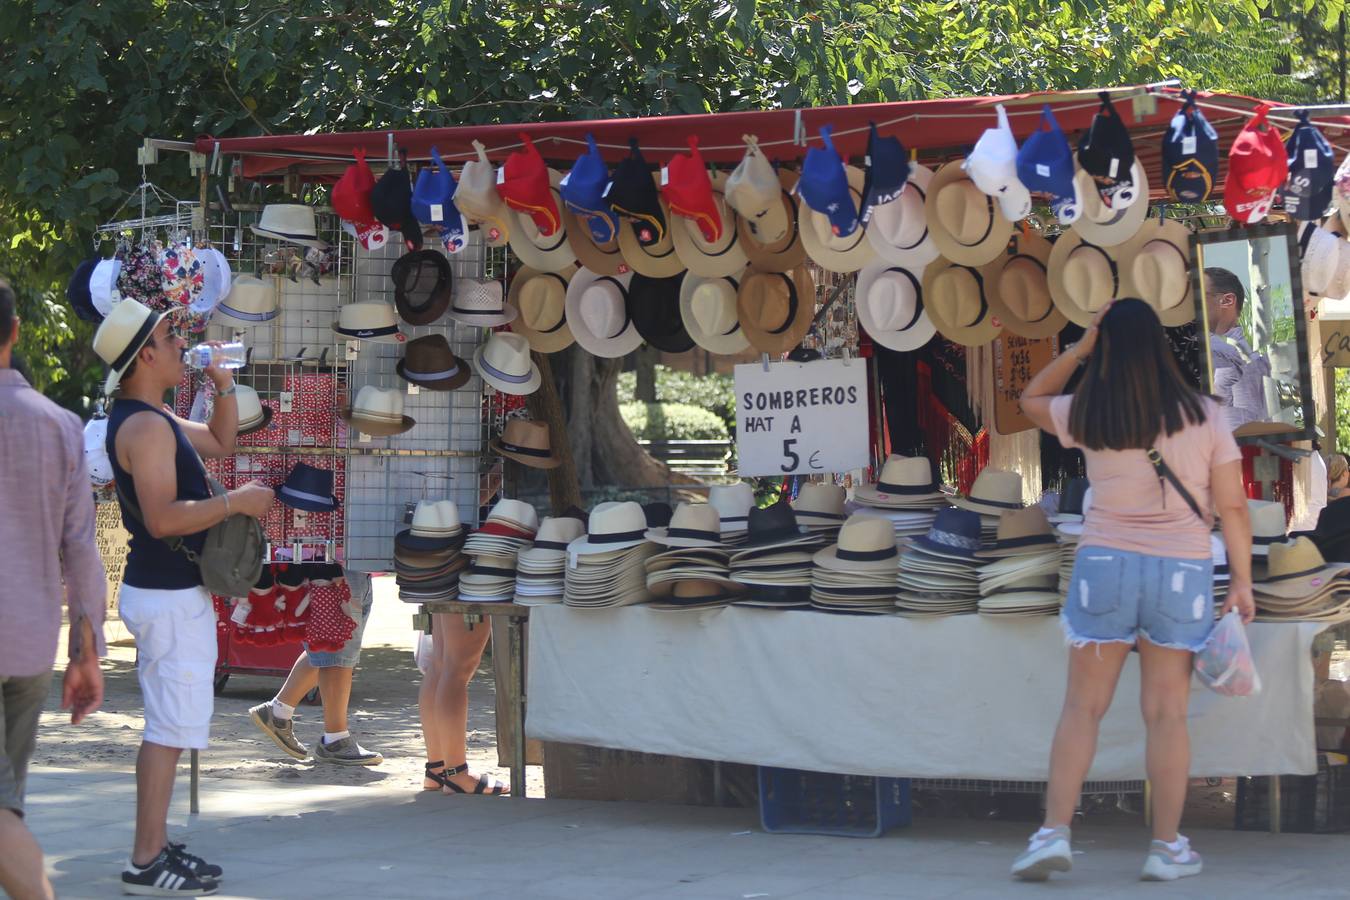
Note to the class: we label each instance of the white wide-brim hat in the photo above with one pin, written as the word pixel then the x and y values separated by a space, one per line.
pixel 1155 266
pixel 377 411
pixel 708 310
pixel 547 254
pixel 370 320
pixel 1083 277
pixel 967 225
pixel 504 362
pixel 294 223
pixel 103 291
pixel 217 281
pixel 898 231
pixel 889 300
pixel 1106 226
pixel 610 527
pixel 848 253
pixel 597 313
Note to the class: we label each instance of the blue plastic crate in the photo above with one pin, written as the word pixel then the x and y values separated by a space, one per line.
pixel 796 802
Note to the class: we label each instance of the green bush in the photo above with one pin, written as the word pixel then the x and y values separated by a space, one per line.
pixel 672 422
pixel 711 392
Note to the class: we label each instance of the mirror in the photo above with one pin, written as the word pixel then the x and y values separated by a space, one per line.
pixel 1247 287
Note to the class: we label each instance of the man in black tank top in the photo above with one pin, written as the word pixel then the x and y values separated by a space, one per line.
pixel 156 458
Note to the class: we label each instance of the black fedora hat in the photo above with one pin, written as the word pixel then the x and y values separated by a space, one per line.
pixel 423 285
pixel 308 488
pixel 773 525
pixel 391 201
pixel 654 307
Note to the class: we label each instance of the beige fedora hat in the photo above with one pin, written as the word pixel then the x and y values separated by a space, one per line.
pixel 1298 570
pixel 251 299
pixel 1020 289
pixel 724 256
pixel 1083 277
pixel 708 310
pixel 377 411
pixel 253 416
pixel 848 253
pixel 691 525
pixel 371 320
pixel 1021 532
pixel 783 253
pixel 902 481
pixel 541 298
pixel 504 363
pixel 956 298
pixel 819 504
pixel 889 299
pixel 527 442
pixel 776 309
pixel 657 260
pixel 611 526
pixel 294 223
pixel 597 313
pixel 121 336
pixel 733 503
pixel 866 545
pixel 477 199
pixel 604 259
pixel 1107 226
pixel 1268 525
pixel 1155 266
pixel 551 253
pixel 754 192
pixel 899 230
pixel 967 225
pixel 994 492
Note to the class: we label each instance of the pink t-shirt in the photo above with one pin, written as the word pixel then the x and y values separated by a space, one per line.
pixel 1129 510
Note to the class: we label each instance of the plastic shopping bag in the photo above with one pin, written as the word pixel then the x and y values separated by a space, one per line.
pixel 1225 665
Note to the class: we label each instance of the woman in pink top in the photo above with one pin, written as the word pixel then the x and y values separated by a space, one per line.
pixel 1143 576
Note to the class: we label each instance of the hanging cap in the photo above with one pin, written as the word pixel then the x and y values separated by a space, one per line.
pixel 524 184
pixel 1312 167
pixel 992 166
pixel 1190 154
pixel 1257 168
pixel 1045 165
pixel 688 190
pixel 824 186
pixel 1107 154
pixel 583 190
pixel 633 194
pixel 887 172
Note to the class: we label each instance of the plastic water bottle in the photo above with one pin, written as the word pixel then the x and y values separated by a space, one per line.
pixel 227 356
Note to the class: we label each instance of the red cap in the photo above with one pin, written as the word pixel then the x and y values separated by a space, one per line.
pixel 523 183
pixel 688 191
pixel 351 201
pixel 1257 168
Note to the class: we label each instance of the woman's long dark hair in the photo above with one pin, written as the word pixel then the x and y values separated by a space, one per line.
pixel 1131 389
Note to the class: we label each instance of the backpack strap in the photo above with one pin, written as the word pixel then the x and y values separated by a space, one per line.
pixel 1165 472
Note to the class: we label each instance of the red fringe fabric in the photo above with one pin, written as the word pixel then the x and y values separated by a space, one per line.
pixel 959 456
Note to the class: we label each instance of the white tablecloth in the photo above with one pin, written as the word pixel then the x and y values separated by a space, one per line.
pixel 958 697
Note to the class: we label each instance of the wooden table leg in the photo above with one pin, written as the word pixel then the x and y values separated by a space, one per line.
pixel 516 649
pixel 193 805
pixel 1275 812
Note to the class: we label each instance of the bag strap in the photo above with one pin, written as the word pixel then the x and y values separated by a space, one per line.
pixel 1165 472
pixel 174 542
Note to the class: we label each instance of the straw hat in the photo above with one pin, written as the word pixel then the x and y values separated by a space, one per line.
pixel 733 503
pixel 956 298
pixel 903 480
pixel 966 225
pixel 848 253
pixel 480 303
pixel 767 249
pixel 708 309
pixel 435 526
pixel 606 258
pixel 955 534
pixel 611 527
pixel 994 492
pixel 1106 226
pixel 294 223
pixel 1020 289
pixel 1021 531
pixel 253 416
pixel 889 300
pixel 372 320
pixel 691 525
pixel 1297 570
pixel 541 298
pixel 820 505
pixel 776 309
pixel 655 260
pixel 753 190
pixel 121 336
pixel 377 411
pixel 724 256
pixel 898 231
pixel 654 307
pixel 251 299
pixel 551 253
pixel 866 545
pixel 1083 277
pixel 1155 266
pixel 527 442
pixel 504 362
pixel 1268 525
pixel 597 313
pixel 478 200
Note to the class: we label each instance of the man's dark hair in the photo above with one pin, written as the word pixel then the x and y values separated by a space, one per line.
pixel 1227 283
pixel 6 311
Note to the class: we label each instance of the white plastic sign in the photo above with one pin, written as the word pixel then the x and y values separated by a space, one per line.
pixel 801 418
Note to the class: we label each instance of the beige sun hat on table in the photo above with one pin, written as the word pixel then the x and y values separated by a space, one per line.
pixel 1155 266
pixel 966 224
pixel 1020 289
pixel 708 310
pixel 541 298
pixel 819 504
pixel 1083 277
pixel 842 254
pixel 1268 525
pixel 956 298
pixel 994 492
pixel 866 545
pixel 903 481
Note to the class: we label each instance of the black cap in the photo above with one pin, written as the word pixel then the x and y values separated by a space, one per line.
pixel 1107 153
pixel 654 307
pixel 1312 172
pixel 633 194
pixel 391 201
pixel 77 291
pixel 1190 154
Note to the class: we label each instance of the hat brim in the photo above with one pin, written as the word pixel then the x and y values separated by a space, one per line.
pixel 553 341
pixel 115 375
pixel 1035 247
pixel 288 499
pixel 990 244
pixel 1064 299
pixel 785 254
pixel 829 559
pixel 981 507
pixel 711 259
pixel 779 341
pixel 1122 224
pixel 508 315
pixel 854 250
pixel 605 347
pixel 728 344
pixel 375 427
pixel 997 552
pixel 552 461
pixel 267 414
pixel 440 384
pixel 606 259
pixel 975 334
pixel 1178 235
pixel 666 588
pixel 553 253
pixel 922 252
pixel 657 261
pixel 920 331
pixel 519 389
pixel 868 494
pixel 290 239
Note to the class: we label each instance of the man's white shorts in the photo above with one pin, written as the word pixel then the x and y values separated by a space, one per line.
pixel 175 634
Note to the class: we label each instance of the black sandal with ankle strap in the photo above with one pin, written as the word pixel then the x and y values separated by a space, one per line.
pixel 487 784
pixel 441 778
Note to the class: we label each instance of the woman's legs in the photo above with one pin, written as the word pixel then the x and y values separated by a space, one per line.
pixel 1093 673
pixel 426 695
pixel 463 651
pixel 1164 694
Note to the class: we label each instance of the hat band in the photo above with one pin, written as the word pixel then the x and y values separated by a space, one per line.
pixel 951 539
pixel 288 235
pixel 562 319
pixel 489 570
pixel 989 202
pixel 792 305
pixel 923 198
pixel 369 332
pixel 918 296
pixel 305 495
pixel 431 376
pixel 911 489
pixel 696 533
pixel 726 519
pixel 814 514
pixel 1049 307
pixel 137 341
pixel 525 451
pixel 376 415
pixel 503 376
pixel 1274 539
pixel 248 316
pixel 550 545
pixel 478 312
pixel 1025 541
pixel 616 538
pixel 865 555
pixel 1303 574
pixel 1305 239
pixel 1001 504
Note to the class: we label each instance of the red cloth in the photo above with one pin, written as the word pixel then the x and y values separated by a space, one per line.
pixel 329 627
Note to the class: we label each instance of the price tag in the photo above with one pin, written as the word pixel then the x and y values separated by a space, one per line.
pixel 1188 144
pixel 243 464
pixel 293 436
pixel 665 176
pixel 501 175
pixel 1310 158
pixel 408 509
pixel 1115 166
pixel 353 350
pixel 301 519
pixel 286 399
pixel 413 389
pixel 801 418
pixel 362 437
pixel 437 213
pixel 1042 170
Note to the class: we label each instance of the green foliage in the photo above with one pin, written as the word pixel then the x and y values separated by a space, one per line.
pixel 1342 436
pixel 713 392
pixel 672 422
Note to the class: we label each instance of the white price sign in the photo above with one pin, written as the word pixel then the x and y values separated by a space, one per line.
pixel 801 418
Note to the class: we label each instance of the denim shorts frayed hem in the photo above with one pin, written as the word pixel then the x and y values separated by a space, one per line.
pixel 1078 641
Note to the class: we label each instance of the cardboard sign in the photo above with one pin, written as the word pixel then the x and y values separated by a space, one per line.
pixel 1017 360
pixel 801 418
pixel 1335 349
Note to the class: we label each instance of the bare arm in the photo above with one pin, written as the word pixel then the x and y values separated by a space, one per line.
pixel 146 450
pixel 217 437
pixel 1049 382
pixel 1230 501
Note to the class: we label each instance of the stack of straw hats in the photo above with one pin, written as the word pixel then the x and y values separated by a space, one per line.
pixel 994 492
pixel 491 576
pixel 733 503
pixel 1021 574
pixel 774 560
pixel 539 569
pixel 938 571
pixel 691 572
pixel 906 492
pixel 1300 584
pixel 605 566
pixel 1268 529
pixel 820 509
pixel 858 573
pixel 1069 528
pixel 428 555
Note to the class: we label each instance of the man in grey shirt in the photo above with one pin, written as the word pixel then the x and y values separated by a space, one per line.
pixel 1239 372
pixel 47 531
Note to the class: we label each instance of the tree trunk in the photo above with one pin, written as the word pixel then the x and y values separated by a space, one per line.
pixel 545 405
pixel 646 374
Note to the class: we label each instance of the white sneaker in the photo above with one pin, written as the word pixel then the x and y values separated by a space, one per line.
pixel 1047 851
pixel 1165 864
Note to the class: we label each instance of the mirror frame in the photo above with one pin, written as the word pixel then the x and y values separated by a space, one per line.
pixel 1288 231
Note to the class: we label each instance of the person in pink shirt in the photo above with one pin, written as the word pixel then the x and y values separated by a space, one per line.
pixel 1160 457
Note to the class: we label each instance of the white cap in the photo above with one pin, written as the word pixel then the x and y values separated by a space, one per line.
pixel 992 166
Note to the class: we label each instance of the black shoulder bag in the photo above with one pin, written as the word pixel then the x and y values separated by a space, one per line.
pixel 1165 472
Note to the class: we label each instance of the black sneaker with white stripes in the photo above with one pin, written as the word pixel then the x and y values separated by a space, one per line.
pixel 200 867
pixel 167 875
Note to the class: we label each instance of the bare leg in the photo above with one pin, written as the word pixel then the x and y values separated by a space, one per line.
pixel 300 682
pixel 464 650
pixel 156 768
pixel 1092 684
pixel 1164 694
pixel 335 687
pixel 21 873
pixel 426 695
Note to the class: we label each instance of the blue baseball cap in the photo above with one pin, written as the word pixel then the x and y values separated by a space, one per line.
pixel 1190 154
pixel 823 186
pixel 1312 172
pixel 583 190
pixel 887 172
pixel 1045 166
pixel 433 203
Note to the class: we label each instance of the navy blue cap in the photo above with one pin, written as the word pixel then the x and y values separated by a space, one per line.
pixel 1045 166
pixel 1190 154
pixel 824 186
pixel 631 192
pixel 433 204
pixel 583 190
pixel 1312 172
pixel 77 291
pixel 887 172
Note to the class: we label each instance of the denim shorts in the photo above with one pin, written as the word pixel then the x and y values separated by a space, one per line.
pixel 350 654
pixel 1116 596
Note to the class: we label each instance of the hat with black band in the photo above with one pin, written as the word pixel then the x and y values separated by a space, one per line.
pixel 122 335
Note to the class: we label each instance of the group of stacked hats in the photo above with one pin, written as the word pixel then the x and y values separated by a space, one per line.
pixel 694 572
pixel 907 493
pixel 1300 584
pixel 1074 502
pixel 857 574
pixel 1022 575
pixel 605 566
pixel 994 492
pixel 819 508
pixel 939 571
pixel 733 503
pixel 428 555
pixel 775 559
pixel 539 568
pixel 510 527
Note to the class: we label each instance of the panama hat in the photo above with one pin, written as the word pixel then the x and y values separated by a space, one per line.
pixel 776 309
pixel 708 310
pixel 1155 266
pixel 966 224
pixel 1298 570
pixel 480 303
pixel 733 503
pixel 1268 525
pixel 251 299
pixel 819 505
pixel 253 416
pixel 121 336
pixel 541 298
pixel 610 527
pixel 428 362
pixel 1107 226
pixel 478 200
pixel 597 312
pixel 722 256
pixel 547 253
pixel 1083 277
pixel 435 526
pixel 902 481
pixel 1020 532
pixel 291 222
pixel 866 545
pixel 504 362
pixel 372 320
pixel 994 492
pixel 898 230
pixel 889 300
pixel 843 254
pixel 1019 292
pixel 956 298
pixel 691 525
pixel 754 191
pixel 1323 254
pixel 653 255
pixel 605 258
pixel 654 305
pixel 527 442
pixel 377 411
pixel 771 243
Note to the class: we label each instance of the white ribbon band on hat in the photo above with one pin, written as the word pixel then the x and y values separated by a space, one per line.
pixel 248 316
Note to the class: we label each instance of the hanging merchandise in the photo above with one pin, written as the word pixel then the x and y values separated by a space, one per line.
pixel 1190 154
pixel 1019 293
pixel 992 166
pixel 688 191
pixel 541 298
pixel 597 309
pixel 655 309
pixel 532 192
pixel 103 290
pixel 308 488
pixel 887 172
pixel 293 223
pixel 1155 266
pixel 351 201
pixel 1257 169
pixel 433 204
pixel 776 309
pixel 377 411
pixel 504 363
pixel 391 201
pixel 1312 168
pixel 966 225
pixel 423 283
pixel 253 414
pixel 956 298
pixel 1083 277
pixel 1325 261
pixel 371 320
pixel 251 299
pixel 79 293
pixel 140 278
pixel 754 191
pixel 646 243
pixel 480 303
pixel 824 187
pixel 478 200
pixel 708 311
pixel 889 299
pixel 1106 153
pixel 429 363
pixel 705 234
pixel 528 443
pixel 1105 225
pixel 216 283
pixel 898 230
pixel 1045 165
pixel 592 227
